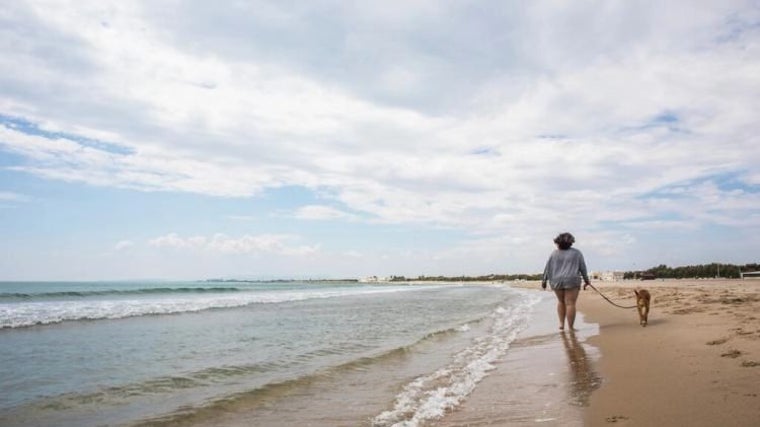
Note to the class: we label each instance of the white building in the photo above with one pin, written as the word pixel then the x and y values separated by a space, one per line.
pixel 373 279
pixel 607 276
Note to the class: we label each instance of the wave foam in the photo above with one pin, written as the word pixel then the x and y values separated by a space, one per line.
pixel 430 396
pixel 24 314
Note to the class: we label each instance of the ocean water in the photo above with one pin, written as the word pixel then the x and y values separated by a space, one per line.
pixel 243 353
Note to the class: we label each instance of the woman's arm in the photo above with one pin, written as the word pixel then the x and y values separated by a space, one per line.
pixel 583 270
pixel 546 276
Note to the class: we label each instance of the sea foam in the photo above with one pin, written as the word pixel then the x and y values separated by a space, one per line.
pixel 430 396
pixel 30 313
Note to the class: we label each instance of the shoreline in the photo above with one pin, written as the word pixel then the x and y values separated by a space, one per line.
pixel 697 363
pixel 546 378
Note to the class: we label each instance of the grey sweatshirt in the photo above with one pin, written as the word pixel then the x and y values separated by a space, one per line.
pixel 565 268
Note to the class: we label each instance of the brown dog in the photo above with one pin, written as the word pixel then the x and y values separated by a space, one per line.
pixel 642 304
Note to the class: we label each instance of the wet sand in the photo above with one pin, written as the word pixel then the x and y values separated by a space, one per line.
pixel 545 379
pixel 696 364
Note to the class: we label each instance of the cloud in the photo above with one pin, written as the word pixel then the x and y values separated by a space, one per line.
pixel 320 212
pixel 9 196
pixel 527 120
pixel 242 217
pixel 123 245
pixel 246 244
pixel 353 254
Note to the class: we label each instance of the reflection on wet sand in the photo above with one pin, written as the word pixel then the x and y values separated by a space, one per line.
pixel 583 379
pixel 545 379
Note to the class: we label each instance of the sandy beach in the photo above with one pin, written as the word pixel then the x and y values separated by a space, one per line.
pixel 697 363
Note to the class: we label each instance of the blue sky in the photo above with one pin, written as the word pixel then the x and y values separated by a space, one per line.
pixel 186 139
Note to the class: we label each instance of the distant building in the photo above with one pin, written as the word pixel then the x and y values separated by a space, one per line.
pixel 373 279
pixel 750 274
pixel 607 276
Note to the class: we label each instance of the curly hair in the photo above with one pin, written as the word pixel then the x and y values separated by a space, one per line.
pixel 564 240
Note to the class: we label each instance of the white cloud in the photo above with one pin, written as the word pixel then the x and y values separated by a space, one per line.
pixel 320 212
pixel 527 120
pixel 242 217
pixel 9 196
pixel 246 244
pixel 123 245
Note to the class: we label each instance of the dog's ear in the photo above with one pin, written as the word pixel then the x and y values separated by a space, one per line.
pixel 636 292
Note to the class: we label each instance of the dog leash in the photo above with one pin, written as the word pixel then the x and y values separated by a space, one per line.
pixel 609 300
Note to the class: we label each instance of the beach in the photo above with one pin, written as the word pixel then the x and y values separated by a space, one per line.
pixel 546 378
pixel 697 363
pixel 410 355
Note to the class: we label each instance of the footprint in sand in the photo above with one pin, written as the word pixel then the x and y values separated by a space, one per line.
pixel 732 354
pixel 688 310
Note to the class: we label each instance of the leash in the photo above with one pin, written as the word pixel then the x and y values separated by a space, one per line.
pixel 609 300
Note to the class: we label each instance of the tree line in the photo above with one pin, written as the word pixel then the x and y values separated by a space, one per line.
pixel 486 278
pixel 662 271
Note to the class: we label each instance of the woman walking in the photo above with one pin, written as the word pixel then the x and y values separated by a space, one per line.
pixel 564 271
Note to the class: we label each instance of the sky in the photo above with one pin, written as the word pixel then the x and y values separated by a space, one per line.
pixel 189 139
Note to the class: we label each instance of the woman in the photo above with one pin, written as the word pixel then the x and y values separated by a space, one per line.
pixel 564 271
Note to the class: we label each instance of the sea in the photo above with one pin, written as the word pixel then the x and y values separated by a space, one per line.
pixel 283 353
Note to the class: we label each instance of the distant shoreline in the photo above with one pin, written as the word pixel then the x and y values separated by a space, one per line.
pixel 473 279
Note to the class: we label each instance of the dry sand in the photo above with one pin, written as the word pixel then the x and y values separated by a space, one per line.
pixel 696 364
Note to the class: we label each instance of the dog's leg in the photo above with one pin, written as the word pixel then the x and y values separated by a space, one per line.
pixel 646 312
pixel 639 307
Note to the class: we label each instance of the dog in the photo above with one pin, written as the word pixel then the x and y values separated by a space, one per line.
pixel 642 304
